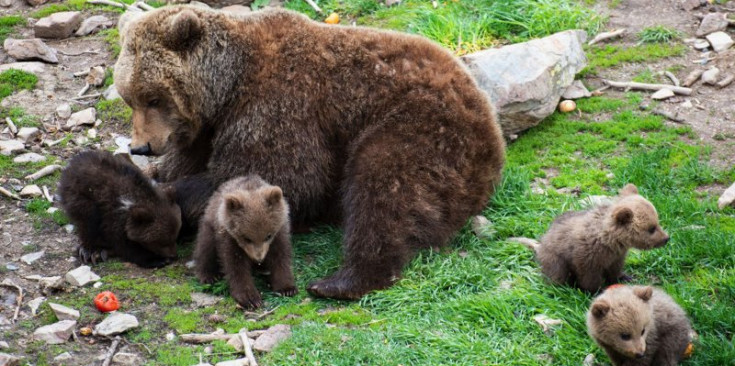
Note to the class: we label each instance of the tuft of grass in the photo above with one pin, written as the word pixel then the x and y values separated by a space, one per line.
pixel 601 57
pixel 53 8
pixel 8 24
pixel 112 38
pixel 13 80
pixel 658 34
pixel 114 110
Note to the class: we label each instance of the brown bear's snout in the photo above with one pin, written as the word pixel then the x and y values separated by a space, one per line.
pixel 142 150
pixel 639 355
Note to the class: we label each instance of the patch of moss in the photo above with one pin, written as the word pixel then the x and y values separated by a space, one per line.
pixel 114 110
pixel 13 80
pixel 601 57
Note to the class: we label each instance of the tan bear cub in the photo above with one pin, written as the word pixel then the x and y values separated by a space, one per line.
pixel 639 326
pixel 587 249
pixel 246 225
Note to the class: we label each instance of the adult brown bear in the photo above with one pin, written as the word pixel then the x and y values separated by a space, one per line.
pixel 388 130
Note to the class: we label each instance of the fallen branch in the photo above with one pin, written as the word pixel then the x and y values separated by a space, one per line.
pixel 143 6
pixel 599 91
pixel 606 35
pixel 692 77
pixel 84 90
pixel 672 77
pixel 727 80
pixel 314 6
pixel 11 125
pixel 95 95
pixel 668 115
pixel 43 172
pixel 261 315
pixel 247 347
pixel 47 194
pixel 205 338
pixel 78 54
pixel 644 86
pixel 111 351
pixel 81 73
pixel 8 193
pixel 8 283
pixel 110 3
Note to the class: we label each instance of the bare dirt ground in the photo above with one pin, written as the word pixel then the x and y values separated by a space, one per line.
pixel 711 116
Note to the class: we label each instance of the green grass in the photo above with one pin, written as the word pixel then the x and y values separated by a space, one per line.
pixel 112 38
pixel 658 34
pixel 468 25
pixel 114 110
pixel 13 80
pixel 8 24
pixel 600 57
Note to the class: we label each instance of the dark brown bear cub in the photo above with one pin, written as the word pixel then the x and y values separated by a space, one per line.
pixel 587 249
pixel 117 210
pixel 246 225
pixel 639 326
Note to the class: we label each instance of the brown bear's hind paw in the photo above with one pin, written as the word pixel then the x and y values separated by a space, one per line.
pixel 343 287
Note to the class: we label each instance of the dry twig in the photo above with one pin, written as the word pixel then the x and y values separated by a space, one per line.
pixel 143 5
pixel 111 351
pixel 43 172
pixel 78 54
pixel 672 77
pixel 247 347
pixel 727 80
pixel 84 90
pixel 95 95
pixel 692 77
pixel 110 3
pixel 314 6
pixel 11 126
pixel 8 283
pixel 8 193
pixel 645 86
pixel 606 35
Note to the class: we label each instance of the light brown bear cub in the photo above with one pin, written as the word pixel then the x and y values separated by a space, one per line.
pixel 245 225
pixel 587 249
pixel 639 326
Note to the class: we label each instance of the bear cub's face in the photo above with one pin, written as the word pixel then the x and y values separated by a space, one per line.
pixel 254 218
pixel 636 221
pixel 621 319
pixel 155 224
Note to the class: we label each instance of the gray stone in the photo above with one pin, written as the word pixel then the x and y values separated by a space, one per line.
pixel 35 303
pixel 28 133
pixel 63 111
pixel 712 22
pixel 116 323
pixel 83 117
pixel 9 360
pixel 6 4
pixel 58 25
pixel 96 76
pixel 9 147
pixel 64 313
pixel 56 333
pixel 525 81
pixel 30 49
pixel 11 266
pixel 111 93
pixel 727 198
pixel 29 158
pixel 32 257
pixel 690 5
pixel 92 133
pixel 125 358
pixel 711 76
pixel 51 283
pixel 36 2
pixel 4 345
pixel 31 191
pixel 662 94
pixel 720 41
pixel 482 227
pixel 202 299
pixel 92 24
pixel 34 67
pixel 701 44
pixel 237 9
pixel 66 356
pixel 51 210
pixel 81 276
pixel 576 91
pixel 270 339
pixel 238 362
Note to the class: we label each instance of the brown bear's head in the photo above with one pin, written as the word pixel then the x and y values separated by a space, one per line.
pixel 634 221
pixel 175 70
pixel 254 218
pixel 621 318
pixel 155 224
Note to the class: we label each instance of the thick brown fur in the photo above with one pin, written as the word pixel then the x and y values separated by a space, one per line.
pixel 387 131
pixel 116 209
pixel 246 225
pixel 587 249
pixel 639 326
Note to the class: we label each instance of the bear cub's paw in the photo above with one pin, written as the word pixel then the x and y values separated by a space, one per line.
pixel 91 255
pixel 248 298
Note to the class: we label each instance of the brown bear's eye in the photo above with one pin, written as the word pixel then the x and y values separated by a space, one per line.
pixel 652 229
pixel 247 240
pixel 268 237
pixel 154 102
pixel 643 331
pixel 625 336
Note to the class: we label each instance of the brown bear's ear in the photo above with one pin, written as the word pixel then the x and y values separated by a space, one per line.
pixel 629 190
pixel 600 308
pixel 141 216
pixel 622 215
pixel 233 202
pixel 184 30
pixel 273 195
pixel 644 293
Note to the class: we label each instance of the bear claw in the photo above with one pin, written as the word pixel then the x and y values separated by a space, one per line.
pixel 288 291
pixel 91 255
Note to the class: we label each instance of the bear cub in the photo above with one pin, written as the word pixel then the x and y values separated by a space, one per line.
pixel 639 326
pixel 587 249
pixel 117 210
pixel 246 226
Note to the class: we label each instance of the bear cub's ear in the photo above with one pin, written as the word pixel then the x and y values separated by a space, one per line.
pixel 233 202
pixel 629 190
pixel 644 293
pixel 273 195
pixel 622 215
pixel 600 308
pixel 184 30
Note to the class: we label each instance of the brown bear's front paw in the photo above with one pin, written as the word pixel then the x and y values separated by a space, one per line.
pixel 344 286
pixel 87 255
pixel 207 279
pixel 287 291
pixel 248 299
